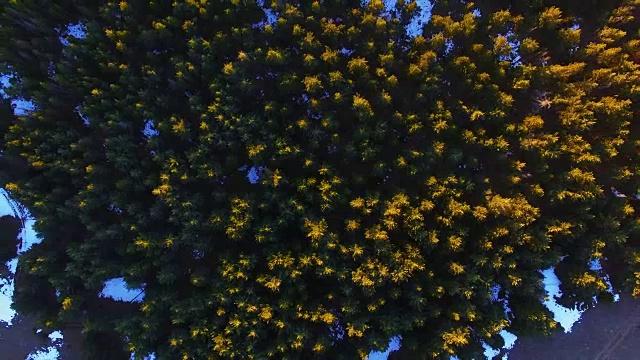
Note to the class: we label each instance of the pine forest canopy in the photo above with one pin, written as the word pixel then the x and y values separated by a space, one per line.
pixel 305 180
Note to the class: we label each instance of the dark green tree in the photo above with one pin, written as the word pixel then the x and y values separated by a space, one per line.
pixel 309 179
pixel 10 227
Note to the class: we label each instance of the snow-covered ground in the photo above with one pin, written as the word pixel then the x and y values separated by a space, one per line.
pixel 565 316
pixel 50 353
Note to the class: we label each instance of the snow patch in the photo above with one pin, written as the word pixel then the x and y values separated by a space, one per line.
pixel 596 265
pixel 565 316
pixel 6 294
pixel 118 289
pixel 22 106
pixel 509 339
pixel 49 353
pixel 12 265
pixel 394 344
pixel 151 356
pixel 254 174
pixel 29 236
pixel 55 336
pixel 150 129
pixel 489 352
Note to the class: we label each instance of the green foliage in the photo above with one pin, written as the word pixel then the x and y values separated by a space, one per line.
pixel 34 294
pixel 99 345
pixel 399 180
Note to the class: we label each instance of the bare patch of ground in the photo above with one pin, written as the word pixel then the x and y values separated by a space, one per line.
pixel 19 340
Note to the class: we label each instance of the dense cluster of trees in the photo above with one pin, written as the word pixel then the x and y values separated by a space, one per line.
pixel 308 179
